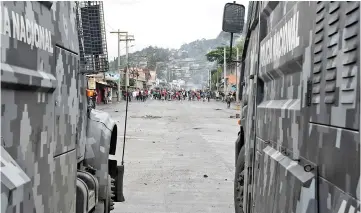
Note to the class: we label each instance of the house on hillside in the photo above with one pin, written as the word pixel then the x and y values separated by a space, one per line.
pixel 141 77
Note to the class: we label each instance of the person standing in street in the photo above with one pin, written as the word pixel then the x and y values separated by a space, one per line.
pixel 105 95
pixel 177 95
pixel 228 100
pixel 163 95
pixel 145 95
pixel 141 94
pixel 134 94
pixel 130 95
pixel 109 96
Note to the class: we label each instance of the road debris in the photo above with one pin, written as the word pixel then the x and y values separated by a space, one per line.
pixel 146 116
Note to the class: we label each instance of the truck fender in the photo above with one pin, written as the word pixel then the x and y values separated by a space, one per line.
pixel 239 144
pixel 101 141
pixel 105 118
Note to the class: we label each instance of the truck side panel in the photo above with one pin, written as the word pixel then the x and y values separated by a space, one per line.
pixel 82 118
pixel 64 19
pixel 335 94
pixel 28 139
pixel 64 193
pixel 66 101
pixel 334 125
pixel 31 134
pixel 251 69
pixel 335 99
pixel 307 151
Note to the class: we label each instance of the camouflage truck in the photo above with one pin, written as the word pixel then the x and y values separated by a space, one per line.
pixel 54 149
pixel 298 148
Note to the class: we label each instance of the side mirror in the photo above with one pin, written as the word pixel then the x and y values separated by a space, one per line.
pixel 233 18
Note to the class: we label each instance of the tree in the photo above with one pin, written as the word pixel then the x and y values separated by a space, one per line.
pixel 151 54
pixel 240 45
pixel 218 53
pixel 216 78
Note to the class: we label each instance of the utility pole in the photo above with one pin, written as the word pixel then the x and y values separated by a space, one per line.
pixel 224 70
pixel 209 80
pixel 119 34
pixel 217 79
pixel 237 89
pixel 126 74
pixel 127 61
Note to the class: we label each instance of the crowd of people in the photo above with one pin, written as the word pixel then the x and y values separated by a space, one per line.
pixel 136 94
pixel 178 94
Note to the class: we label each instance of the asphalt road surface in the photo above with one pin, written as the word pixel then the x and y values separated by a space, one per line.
pixel 179 156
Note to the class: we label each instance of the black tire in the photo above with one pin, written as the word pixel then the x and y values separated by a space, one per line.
pixel 109 203
pixel 239 182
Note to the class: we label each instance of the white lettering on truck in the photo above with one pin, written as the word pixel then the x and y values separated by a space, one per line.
pixel 25 30
pixel 282 42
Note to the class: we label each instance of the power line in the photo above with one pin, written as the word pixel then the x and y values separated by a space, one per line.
pixel 110 27
pixel 127 39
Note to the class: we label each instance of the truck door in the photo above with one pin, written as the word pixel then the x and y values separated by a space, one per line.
pixel 66 103
pixel 283 180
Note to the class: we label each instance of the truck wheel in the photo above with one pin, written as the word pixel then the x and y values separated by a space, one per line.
pixel 239 182
pixel 111 194
pixel 109 203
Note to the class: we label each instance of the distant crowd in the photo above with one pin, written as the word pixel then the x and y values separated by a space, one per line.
pixel 177 94
pixel 181 94
pixel 136 94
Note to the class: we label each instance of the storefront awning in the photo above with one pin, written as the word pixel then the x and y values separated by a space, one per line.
pixel 106 84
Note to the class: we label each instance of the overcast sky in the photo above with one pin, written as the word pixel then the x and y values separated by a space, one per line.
pixel 163 23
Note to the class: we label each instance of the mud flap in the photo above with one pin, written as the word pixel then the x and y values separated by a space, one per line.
pixel 117 173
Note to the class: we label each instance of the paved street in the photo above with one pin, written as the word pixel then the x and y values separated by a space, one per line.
pixel 179 156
